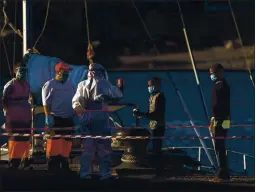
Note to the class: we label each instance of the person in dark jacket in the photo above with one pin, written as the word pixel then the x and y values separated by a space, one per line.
pixel 156 115
pixel 220 122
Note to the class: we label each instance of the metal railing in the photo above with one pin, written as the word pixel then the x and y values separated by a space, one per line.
pixel 245 156
pixel 4 151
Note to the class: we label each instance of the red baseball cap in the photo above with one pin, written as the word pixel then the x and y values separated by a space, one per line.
pixel 64 66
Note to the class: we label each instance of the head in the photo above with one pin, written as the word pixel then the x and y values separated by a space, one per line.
pixel 97 71
pixel 20 71
pixel 216 71
pixel 62 71
pixel 154 85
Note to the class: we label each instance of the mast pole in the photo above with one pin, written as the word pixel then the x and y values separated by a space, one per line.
pixel 195 72
pixel 24 24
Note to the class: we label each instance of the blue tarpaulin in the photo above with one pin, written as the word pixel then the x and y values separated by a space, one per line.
pixel 41 69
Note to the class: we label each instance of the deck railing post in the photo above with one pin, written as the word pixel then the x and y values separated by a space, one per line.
pixel 199 157
pixel 244 163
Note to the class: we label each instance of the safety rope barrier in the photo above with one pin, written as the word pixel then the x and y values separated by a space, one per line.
pixel 123 137
pixel 131 127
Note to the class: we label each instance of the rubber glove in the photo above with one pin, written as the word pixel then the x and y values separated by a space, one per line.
pixel 137 113
pixel 49 121
pixel 84 118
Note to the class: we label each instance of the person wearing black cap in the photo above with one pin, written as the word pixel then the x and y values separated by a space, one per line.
pixel 220 122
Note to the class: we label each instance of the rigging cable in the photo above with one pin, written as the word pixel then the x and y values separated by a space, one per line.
pixel 90 51
pixel 178 93
pixel 195 72
pixel 44 26
pixel 241 42
pixel 87 22
pixel 1 53
pixel 4 45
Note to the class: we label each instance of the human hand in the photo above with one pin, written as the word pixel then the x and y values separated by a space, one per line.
pixel 49 121
pixel 135 112
pixel 211 126
pixel 79 110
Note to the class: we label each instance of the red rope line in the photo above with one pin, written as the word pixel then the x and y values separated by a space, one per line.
pixel 131 127
pixel 124 137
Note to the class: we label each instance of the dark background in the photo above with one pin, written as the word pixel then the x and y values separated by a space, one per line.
pixel 118 28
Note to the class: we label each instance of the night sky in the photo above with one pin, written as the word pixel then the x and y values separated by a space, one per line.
pixel 117 26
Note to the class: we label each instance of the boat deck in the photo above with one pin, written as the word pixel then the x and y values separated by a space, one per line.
pixel 40 180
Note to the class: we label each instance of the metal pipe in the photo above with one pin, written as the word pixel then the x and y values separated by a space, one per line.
pixel 199 157
pixel 24 23
pixel 245 168
pixel 192 123
pixel 195 73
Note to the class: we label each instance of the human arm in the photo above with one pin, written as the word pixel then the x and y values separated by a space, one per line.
pixel 77 101
pixel 47 92
pixel 106 92
pixel 220 101
pixel 8 89
pixel 157 113
pixel 116 92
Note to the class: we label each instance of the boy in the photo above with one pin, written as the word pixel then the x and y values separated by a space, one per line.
pixel 156 115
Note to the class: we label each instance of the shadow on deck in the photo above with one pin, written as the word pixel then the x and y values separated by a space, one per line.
pixel 39 180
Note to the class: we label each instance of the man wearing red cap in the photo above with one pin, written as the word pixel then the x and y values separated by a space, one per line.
pixel 57 97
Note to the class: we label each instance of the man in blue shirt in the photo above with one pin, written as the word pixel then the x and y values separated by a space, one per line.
pixel 57 97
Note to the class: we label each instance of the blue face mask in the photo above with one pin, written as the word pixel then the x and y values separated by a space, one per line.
pixel 64 77
pixel 151 90
pixel 213 77
pixel 21 74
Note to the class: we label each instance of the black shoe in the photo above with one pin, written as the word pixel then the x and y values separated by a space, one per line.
pixel 223 175
pixel 65 165
pixel 12 167
pixel 14 164
pixel 67 170
pixel 53 164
